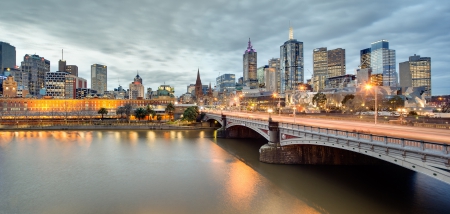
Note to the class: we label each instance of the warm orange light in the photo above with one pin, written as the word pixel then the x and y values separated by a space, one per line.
pixel 368 86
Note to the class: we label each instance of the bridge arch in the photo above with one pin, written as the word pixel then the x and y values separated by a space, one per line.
pixel 417 165
pixel 257 130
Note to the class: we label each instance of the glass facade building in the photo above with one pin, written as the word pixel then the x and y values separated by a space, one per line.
pixel 274 66
pixel 416 73
pixel 99 78
pixel 291 63
pixel 226 82
pixel 382 61
pixel 7 56
pixel 336 62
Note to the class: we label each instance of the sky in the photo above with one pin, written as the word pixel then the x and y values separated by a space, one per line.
pixel 167 41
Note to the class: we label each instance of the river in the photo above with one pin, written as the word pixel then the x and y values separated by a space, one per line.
pixel 192 172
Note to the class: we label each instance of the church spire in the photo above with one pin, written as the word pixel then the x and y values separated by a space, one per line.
pixel 198 81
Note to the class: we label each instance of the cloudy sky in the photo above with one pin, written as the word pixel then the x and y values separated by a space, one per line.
pixel 166 41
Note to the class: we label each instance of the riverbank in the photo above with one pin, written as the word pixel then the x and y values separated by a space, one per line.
pixel 103 127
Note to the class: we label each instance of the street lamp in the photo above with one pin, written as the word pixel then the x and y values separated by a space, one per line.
pixel 270 111
pixel 376 105
pixel 294 114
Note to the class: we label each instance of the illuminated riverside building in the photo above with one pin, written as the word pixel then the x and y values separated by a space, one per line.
pixel 31 108
pixel 291 63
pixel 34 68
pixel 336 62
pixel 136 89
pixel 250 59
pixel 62 85
pixel 9 87
pixel 416 72
pixel 320 68
pixel 99 78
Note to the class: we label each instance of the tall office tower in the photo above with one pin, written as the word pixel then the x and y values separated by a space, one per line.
pixel 34 68
pixel 99 78
pixel 226 82
pixel 291 63
pixel 336 62
pixel 198 87
pixel 260 75
pixel 364 58
pixel 271 79
pixel 71 84
pixel 7 56
pixel 382 62
pixel 320 68
pixel 250 70
pixel 416 72
pixel 62 62
pixel 274 65
pixel 72 69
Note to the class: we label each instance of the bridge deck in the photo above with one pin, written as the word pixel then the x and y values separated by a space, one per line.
pixel 408 132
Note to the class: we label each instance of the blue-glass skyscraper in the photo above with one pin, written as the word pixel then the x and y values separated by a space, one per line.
pixel 382 62
pixel 7 56
pixel 291 63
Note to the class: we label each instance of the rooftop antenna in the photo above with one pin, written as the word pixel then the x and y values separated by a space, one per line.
pixel 291 31
pixel 62 53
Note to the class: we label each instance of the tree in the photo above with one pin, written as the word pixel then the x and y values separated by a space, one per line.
pixel 140 113
pixel 127 109
pixel 191 113
pixel 347 98
pixel 149 111
pixel 320 99
pixel 395 102
pixel 445 107
pixel 170 109
pixel 102 111
pixel 159 117
pixel 120 110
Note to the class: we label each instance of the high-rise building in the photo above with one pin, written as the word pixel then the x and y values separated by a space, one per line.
pixel 382 62
pixel 274 66
pixel 250 66
pixel 365 58
pixel 226 82
pixel 291 63
pixel 271 79
pixel 7 56
pixel 416 72
pixel 73 82
pixel 72 69
pixel 320 68
pixel 55 84
pixel 34 69
pixel 99 78
pixel 336 62
pixel 260 75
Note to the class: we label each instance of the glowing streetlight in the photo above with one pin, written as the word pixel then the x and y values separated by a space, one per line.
pixel 368 87
pixel 270 111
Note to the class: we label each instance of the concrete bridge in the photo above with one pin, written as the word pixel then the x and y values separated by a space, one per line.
pixel 296 143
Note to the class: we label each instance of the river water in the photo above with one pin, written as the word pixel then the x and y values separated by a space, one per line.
pixel 192 172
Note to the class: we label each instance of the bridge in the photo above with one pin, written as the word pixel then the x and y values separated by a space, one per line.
pixel 339 142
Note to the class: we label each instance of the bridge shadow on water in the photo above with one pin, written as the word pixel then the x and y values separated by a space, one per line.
pixel 386 188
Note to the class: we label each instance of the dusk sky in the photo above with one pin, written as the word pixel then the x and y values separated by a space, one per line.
pixel 166 41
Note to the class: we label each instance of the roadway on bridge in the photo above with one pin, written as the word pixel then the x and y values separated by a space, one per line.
pixel 408 132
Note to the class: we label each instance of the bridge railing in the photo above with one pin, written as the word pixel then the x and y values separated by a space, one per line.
pixel 374 139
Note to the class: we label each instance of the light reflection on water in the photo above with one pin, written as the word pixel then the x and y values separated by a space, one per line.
pixel 191 172
pixel 129 172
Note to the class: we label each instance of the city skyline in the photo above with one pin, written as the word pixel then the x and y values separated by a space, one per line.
pixel 162 45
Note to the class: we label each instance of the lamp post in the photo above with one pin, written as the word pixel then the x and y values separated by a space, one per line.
pixel 270 111
pixel 294 114
pixel 376 104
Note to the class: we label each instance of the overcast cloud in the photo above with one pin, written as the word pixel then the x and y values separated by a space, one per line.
pixel 166 41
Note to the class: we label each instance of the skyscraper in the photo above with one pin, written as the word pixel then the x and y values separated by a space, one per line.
pixel 336 62
pixel 99 78
pixel 382 62
pixel 320 68
pixel 274 67
pixel 7 56
pixel 260 75
pixel 291 63
pixel 226 82
pixel 72 69
pixel 416 72
pixel 250 63
pixel 34 68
